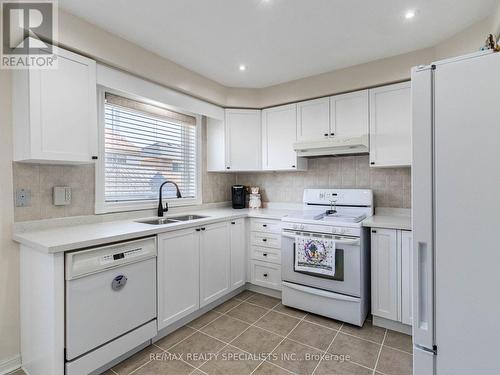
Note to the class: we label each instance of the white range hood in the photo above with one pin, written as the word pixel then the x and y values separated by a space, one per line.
pixel 333 146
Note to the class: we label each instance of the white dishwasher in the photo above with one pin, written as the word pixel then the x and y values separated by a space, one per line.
pixel 110 302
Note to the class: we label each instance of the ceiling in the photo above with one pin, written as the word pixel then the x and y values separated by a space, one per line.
pixel 278 40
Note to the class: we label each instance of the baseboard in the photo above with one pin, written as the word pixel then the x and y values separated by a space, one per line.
pixel 392 325
pixel 263 290
pixel 10 365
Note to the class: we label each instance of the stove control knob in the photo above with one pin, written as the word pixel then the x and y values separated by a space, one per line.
pixel 295 226
pixel 302 226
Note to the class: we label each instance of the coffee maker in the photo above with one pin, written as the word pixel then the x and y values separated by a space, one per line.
pixel 239 196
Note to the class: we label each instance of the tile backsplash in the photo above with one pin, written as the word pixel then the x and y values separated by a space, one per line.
pixel 391 186
pixel 40 179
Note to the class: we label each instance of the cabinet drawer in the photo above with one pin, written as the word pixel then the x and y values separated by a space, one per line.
pixel 266 239
pixel 266 226
pixel 265 274
pixel 266 254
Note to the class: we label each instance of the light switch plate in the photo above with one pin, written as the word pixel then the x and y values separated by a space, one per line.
pixel 62 195
pixel 23 197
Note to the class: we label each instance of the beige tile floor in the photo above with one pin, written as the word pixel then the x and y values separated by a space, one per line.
pixel 256 334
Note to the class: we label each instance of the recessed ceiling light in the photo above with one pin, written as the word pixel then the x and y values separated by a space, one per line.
pixel 243 67
pixel 410 14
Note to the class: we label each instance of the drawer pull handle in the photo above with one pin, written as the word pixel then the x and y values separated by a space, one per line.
pixel 203 228
pixel 264 239
pixel 265 275
pixel 265 254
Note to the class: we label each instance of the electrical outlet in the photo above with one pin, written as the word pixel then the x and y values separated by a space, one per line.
pixel 23 197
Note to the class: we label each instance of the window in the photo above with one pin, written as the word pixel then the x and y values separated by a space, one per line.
pixel 143 146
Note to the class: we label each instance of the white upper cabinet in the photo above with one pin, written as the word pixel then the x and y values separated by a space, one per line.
pixel 390 125
pixel 279 133
pixel 349 116
pixel 243 139
pixel 235 144
pixel 313 119
pixel 55 112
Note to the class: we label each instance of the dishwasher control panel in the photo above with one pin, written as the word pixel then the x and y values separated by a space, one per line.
pixel 127 254
pixel 90 261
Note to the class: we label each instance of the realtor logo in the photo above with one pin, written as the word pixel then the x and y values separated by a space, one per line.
pixel 27 35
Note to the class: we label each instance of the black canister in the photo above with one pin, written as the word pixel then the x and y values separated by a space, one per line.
pixel 239 196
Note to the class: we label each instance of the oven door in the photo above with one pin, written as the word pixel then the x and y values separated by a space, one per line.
pixel 347 279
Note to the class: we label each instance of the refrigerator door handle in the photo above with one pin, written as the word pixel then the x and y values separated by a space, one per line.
pixel 423 296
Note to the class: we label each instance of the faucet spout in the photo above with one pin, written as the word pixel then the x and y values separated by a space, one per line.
pixel 161 209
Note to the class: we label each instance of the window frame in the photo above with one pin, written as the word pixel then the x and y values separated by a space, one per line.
pixel 103 207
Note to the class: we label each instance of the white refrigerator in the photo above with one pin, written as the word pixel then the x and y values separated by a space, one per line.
pixel 456 216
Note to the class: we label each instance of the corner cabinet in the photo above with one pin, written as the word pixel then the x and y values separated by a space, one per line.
pixel 178 275
pixel 197 266
pixel 279 133
pixel 391 274
pixel 55 111
pixel 390 125
pixel 235 143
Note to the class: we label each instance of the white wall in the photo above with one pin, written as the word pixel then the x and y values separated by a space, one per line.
pixel 9 251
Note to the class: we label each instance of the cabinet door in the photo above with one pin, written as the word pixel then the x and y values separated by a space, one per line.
pixel 406 277
pixel 384 267
pixel 390 125
pixel 63 110
pixel 178 275
pixel 243 139
pixel 349 115
pixel 216 145
pixel 238 253
pixel 313 117
pixel 279 133
pixel 214 262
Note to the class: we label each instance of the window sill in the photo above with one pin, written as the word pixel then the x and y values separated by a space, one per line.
pixel 110 207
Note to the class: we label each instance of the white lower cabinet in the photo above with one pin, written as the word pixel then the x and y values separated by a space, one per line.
pixel 266 274
pixel 384 264
pixel 214 262
pixel 391 274
pixel 237 236
pixel 265 253
pixel 178 275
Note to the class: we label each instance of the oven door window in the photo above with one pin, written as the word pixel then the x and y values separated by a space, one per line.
pixel 339 266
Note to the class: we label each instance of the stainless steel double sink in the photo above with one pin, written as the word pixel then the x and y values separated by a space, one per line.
pixel 171 220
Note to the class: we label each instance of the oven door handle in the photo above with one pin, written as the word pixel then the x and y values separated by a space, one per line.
pixel 320 292
pixel 341 241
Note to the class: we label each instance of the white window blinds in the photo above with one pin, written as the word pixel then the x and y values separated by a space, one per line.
pixel 144 146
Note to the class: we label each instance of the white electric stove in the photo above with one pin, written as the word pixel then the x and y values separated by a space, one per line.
pixel 333 214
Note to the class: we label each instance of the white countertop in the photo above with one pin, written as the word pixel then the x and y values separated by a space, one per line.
pixel 73 237
pixel 389 221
